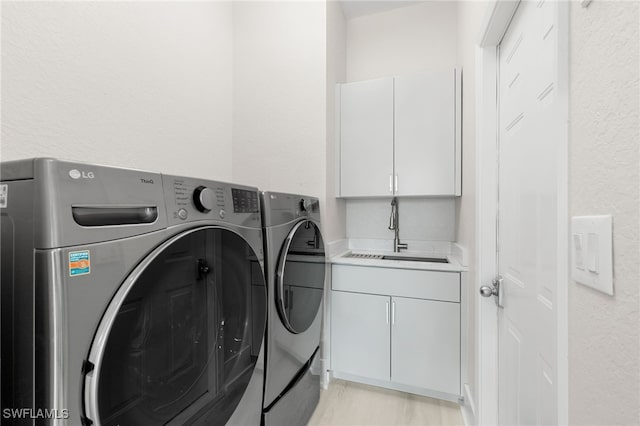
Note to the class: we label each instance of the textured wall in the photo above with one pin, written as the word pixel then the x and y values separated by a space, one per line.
pixel 402 41
pixel 123 83
pixel 470 15
pixel 131 84
pixel 279 96
pixel 604 331
pixel 335 219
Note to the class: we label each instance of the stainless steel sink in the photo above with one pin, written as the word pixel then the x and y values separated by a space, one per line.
pixel 392 257
pixel 417 259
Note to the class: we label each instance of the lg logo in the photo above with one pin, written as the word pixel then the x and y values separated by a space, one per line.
pixel 77 174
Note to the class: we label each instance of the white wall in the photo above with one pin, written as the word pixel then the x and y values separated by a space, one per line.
pixel 279 96
pixel 137 84
pixel 470 16
pixel 419 219
pixel 190 88
pixel 287 57
pixel 604 331
pixel 335 219
pixel 402 41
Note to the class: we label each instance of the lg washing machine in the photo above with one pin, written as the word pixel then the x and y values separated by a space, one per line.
pixel 129 297
pixel 295 270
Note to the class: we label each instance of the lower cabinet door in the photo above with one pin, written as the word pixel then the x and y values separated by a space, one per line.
pixel 425 344
pixel 360 334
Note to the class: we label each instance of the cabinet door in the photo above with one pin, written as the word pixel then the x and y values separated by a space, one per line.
pixel 425 344
pixel 366 138
pixel 425 134
pixel 360 334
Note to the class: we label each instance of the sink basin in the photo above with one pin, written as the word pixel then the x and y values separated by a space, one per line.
pixel 417 259
pixel 392 257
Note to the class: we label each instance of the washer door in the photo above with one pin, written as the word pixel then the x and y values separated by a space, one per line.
pixel 181 338
pixel 300 278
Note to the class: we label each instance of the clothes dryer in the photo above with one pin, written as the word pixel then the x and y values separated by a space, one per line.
pixel 129 297
pixel 295 269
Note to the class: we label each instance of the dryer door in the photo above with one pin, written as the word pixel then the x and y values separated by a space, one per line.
pixel 180 341
pixel 300 278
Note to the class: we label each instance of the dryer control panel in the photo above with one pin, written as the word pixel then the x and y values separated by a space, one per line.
pixel 280 208
pixel 191 199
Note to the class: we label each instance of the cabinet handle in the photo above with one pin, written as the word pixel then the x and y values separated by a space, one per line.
pixel 391 184
pixel 396 183
pixel 393 313
pixel 387 315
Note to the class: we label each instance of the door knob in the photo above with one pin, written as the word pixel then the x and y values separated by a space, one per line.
pixel 495 290
pixel 487 291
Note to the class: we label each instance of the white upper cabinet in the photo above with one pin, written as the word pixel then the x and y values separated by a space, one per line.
pixel 401 136
pixel 425 134
pixel 366 138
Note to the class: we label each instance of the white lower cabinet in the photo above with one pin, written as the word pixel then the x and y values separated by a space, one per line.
pixel 396 340
pixel 361 341
pixel 425 344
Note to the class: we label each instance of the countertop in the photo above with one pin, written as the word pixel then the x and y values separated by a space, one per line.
pixel 453 266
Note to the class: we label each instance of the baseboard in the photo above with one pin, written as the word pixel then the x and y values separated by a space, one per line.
pixel 468 409
pixel 396 386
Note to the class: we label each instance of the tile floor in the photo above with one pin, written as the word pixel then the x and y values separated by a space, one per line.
pixel 349 404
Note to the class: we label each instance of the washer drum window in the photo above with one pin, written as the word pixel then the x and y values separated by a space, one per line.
pixel 181 339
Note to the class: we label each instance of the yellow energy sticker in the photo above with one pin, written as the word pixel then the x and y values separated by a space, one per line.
pixel 79 263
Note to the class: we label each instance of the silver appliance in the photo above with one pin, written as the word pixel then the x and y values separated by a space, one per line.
pixel 129 297
pixel 295 270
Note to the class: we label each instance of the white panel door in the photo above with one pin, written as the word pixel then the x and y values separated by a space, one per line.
pixel 425 344
pixel 425 136
pixel 530 139
pixel 366 138
pixel 360 334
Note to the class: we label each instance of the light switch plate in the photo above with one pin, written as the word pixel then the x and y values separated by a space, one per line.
pixel 592 252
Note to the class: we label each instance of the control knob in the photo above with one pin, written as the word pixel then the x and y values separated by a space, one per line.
pixel 305 205
pixel 204 199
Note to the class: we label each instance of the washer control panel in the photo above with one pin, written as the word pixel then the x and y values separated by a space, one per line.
pixel 190 199
pixel 244 201
pixel 204 199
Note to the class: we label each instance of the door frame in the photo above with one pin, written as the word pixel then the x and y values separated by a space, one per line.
pixel 495 24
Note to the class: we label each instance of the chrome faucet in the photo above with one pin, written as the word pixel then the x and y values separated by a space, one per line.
pixel 393 225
